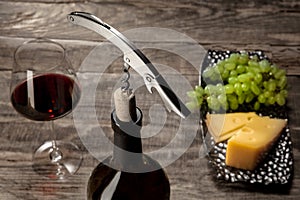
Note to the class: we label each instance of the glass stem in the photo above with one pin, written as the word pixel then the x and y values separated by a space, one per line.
pixel 55 153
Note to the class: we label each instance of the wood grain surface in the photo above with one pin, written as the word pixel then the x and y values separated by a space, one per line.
pixel 271 26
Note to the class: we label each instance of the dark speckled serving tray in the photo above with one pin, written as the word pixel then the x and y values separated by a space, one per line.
pixel 276 168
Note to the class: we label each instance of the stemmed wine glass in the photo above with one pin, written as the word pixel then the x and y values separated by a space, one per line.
pixel 44 87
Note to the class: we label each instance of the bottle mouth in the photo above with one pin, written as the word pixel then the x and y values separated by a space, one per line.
pixel 130 128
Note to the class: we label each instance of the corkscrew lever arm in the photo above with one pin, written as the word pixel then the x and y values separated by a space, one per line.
pixel 134 58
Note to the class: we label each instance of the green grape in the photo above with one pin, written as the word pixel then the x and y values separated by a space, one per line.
pixel 251 75
pixel 243 78
pixel 219 85
pixel 233 106
pixel 209 89
pixel 238 88
pixel 249 97
pixel 220 89
pixel 229 89
pixel 206 90
pixel 243 59
pixel 279 73
pixel 222 98
pixel 254 88
pixel 215 69
pixel 258 78
pixel 256 105
pixel 234 57
pixel 255 58
pixel 240 69
pixel 215 90
pixel 284 93
pixel 233 73
pixel 247 68
pixel 199 102
pixel 253 63
pixel 241 98
pixel 232 98
pixel 209 100
pixel 199 90
pixel 225 74
pixel 232 80
pixel 215 77
pixel 221 63
pixel 267 93
pixel 261 98
pixel 230 66
pixel 274 69
pixel 195 97
pixel 225 106
pixel 265 84
pixel 246 86
pixel 213 103
pixel 280 100
pixel 220 68
pixel 282 82
pixel 271 86
pixel 192 94
pixel 264 66
pixel 208 72
pixel 253 70
pixel 271 100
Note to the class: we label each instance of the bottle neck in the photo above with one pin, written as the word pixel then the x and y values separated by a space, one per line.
pixel 127 140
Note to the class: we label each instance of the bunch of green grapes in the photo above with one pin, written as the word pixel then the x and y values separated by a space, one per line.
pixel 239 80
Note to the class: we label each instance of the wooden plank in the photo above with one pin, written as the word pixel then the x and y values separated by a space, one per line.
pixel 206 22
pixel 79 51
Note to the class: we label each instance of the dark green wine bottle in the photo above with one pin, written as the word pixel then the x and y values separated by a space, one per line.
pixel 128 174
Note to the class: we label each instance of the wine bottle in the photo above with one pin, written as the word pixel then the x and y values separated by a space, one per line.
pixel 128 174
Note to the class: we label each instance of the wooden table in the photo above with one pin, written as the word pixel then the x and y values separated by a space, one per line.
pixel 271 26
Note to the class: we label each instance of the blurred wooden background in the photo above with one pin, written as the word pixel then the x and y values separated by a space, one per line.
pixel 271 26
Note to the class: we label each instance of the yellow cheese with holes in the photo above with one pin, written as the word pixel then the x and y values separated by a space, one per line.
pixel 249 145
pixel 223 126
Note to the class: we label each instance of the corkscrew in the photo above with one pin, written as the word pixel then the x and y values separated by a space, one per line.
pixel 133 58
pixel 125 78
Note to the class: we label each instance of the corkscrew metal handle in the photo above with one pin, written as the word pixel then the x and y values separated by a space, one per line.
pixel 134 58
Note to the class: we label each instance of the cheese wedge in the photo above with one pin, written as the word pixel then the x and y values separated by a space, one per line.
pixel 250 144
pixel 223 126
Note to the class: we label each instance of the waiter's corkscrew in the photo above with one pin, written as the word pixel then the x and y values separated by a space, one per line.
pixel 133 58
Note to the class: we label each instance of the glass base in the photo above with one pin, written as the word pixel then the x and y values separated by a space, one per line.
pixel 57 159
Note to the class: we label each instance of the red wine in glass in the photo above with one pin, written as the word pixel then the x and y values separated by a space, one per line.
pixel 46 97
pixel 44 87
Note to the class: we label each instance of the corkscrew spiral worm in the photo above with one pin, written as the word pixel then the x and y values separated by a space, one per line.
pixel 125 78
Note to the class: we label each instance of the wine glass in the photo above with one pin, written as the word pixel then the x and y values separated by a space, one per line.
pixel 44 87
